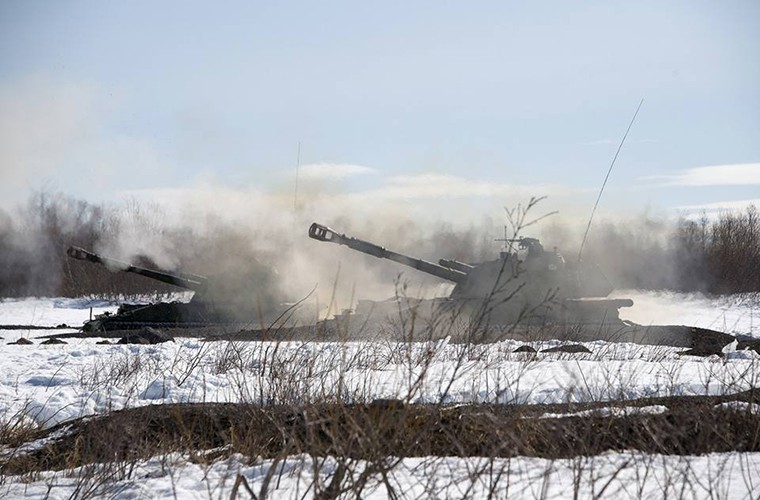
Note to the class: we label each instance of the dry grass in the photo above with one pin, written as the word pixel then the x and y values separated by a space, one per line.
pixel 389 428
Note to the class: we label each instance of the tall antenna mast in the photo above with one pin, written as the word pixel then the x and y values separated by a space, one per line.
pixel 298 165
pixel 505 240
pixel 609 170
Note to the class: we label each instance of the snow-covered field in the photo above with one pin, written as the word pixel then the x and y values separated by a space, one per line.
pixel 49 312
pixel 730 314
pixel 54 383
pixel 614 475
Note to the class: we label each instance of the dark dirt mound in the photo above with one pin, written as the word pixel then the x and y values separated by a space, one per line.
pixel 576 348
pixel 525 348
pixel 53 341
pixel 691 425
pixel 21 341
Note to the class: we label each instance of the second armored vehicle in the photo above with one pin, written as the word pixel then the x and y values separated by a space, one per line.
pixel 249 299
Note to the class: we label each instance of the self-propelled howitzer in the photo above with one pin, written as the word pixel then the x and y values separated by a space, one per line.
pixel 249 296
pixel 533 294
pixel 536 287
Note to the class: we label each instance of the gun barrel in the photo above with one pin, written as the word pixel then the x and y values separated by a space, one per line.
pixel 324 233
pixel 456 265
pixel 194 283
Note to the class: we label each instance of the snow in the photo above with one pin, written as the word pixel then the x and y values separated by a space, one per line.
pixel 736 314
pixel 612 412
pixel 51 312
pixel 618 475
pixel 741 406
pixel 52 384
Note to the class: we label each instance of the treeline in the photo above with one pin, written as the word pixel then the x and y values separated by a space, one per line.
pixel 725 252
pixel 717 255
pixel 33 245
pixel 713 255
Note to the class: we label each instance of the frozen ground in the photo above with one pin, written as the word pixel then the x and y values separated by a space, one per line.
pixel 730 314
pixel 51 312
pixel 619 475
pixel 52 384
pixel 55 383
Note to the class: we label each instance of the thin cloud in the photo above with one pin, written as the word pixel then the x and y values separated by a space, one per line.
pixel 52 135
pixel 741 174
pixel 333 171
pixel 441 186
pixel 425 198
pixel 719 206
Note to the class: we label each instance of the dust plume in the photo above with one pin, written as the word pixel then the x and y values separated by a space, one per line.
pixel 253 244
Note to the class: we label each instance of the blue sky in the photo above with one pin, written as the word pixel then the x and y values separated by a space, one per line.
pixel 465 105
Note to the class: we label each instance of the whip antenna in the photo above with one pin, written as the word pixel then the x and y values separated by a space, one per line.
pixel 295 190
pixel 609 170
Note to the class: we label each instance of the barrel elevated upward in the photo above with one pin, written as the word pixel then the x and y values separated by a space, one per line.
pixel 190 283
pixel 324 233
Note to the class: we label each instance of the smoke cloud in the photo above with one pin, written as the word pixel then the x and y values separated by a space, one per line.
pixel 254 237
